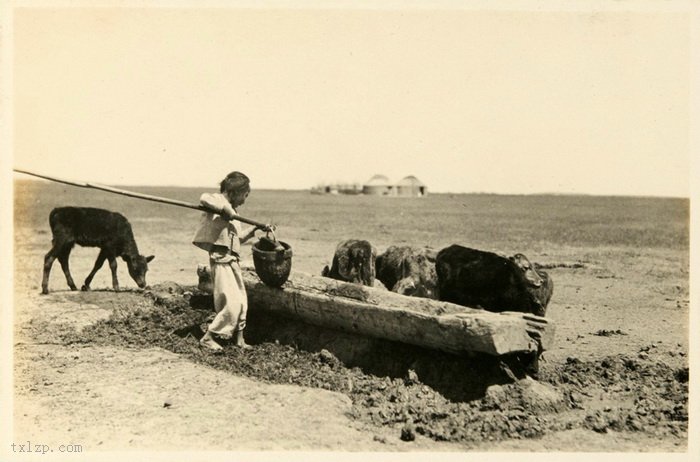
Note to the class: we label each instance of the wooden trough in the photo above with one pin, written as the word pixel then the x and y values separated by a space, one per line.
pixel 386 315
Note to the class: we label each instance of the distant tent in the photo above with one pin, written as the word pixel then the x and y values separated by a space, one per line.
pixel 411 186
pixel 378 185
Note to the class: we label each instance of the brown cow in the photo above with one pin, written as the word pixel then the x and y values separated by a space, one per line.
pixel 408 271
pixel 354 262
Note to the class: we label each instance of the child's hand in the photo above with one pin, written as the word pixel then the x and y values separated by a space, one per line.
pixel 267 228
pixel 227 213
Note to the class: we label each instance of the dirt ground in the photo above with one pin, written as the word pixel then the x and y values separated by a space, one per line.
pixel 153 399
pixel 102 369
pixel 140 397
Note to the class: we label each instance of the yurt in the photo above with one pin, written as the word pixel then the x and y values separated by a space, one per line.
pixel 411 187
pixel 378 185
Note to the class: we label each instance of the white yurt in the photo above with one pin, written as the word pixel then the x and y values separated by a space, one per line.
pixel 378 185
pixel 411 186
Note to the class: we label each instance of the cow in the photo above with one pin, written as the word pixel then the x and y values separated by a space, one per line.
pixel 92 227
pixel 408 271
pixel 493 282
pixel 354 262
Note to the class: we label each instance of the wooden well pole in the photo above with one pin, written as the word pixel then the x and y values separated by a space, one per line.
pixel 147 197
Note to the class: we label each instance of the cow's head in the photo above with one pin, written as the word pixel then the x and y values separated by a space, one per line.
pixel 538 309
pixel 418 278
pixel 356 263
pixel 525 266
pixel 138 267
pixel 413 288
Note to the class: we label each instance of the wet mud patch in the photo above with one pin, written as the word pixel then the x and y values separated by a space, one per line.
pixel 616 393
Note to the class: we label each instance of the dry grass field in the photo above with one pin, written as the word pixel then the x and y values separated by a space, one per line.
pixel 621 288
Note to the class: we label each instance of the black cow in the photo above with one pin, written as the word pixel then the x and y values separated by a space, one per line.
pixel 91 227
pixel 408 271
pixel 353 261
pixel 490 281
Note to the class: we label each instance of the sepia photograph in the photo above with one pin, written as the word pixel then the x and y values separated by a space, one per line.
pixel 390 230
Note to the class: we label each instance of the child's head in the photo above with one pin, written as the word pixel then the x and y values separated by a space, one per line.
pixel 235 187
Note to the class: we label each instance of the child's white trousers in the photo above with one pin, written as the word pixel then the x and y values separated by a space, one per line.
pixel 230 298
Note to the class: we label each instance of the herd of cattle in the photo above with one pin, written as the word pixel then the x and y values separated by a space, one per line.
pixel 456 274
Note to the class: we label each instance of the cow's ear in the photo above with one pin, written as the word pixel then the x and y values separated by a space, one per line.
pixel 149 258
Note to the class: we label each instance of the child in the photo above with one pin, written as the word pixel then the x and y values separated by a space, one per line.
pixel 221 236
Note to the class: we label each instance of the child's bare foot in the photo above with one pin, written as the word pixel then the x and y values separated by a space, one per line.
pixel 240 342
pixel 210 344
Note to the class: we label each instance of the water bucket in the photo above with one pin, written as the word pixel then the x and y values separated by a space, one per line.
pixel 272 262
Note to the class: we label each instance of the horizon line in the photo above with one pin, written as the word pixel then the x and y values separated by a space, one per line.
pixel 484 193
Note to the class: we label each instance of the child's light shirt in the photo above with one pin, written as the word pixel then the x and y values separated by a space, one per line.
pixel 217 235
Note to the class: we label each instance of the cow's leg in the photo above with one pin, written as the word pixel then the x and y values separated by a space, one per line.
pixel 48 263
pixel 113 267
pixel 98 264
pixel 63 256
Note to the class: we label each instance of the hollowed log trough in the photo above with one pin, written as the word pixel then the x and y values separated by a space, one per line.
pixel 378 313
pixel 459 351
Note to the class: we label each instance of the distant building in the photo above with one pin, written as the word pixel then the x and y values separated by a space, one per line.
pixel 378 185
pixel 350 188
pixel 342 188
pixel 411 186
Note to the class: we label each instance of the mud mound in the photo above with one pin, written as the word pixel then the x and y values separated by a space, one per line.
pixel 655 394
pixel 617 393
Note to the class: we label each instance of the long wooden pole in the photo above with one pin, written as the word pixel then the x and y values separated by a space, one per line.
pixel 147 197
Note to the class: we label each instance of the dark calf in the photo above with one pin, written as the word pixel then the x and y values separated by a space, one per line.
pixel 353 261
pixel 91 227
pixel 408 271
pixel 490 281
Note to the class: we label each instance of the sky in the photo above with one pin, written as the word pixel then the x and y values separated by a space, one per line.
pixel 467 100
